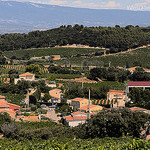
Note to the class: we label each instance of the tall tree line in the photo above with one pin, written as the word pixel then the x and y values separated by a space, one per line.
pixel 116 38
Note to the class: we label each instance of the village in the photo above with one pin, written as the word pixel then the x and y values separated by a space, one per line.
pixel 79 108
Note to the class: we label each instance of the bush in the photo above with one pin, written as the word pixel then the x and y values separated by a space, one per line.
pixel 8 129
pixel 30 134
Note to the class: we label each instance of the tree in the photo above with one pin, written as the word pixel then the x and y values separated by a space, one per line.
pixel 51 77
pixel 34 69
pixel 46 97
pixel 115 123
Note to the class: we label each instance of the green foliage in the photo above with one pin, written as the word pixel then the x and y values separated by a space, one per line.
pixel 73 90
pixel 140 98
pixel 46 97
pixel 4 118
pixel 117 39
pixel 114 123
pixel 60 70
pixel 110 74
pixel 51 77
pixel 67 144
pixel 34 69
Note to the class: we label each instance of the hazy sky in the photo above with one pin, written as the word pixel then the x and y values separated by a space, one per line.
pixel 99 4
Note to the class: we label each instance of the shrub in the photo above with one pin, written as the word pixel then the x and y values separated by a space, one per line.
pixel 8 129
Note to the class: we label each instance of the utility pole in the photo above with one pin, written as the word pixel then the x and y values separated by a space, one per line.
pixel 109 64
pixel 27 98
pixel 88 111
pixel 82 81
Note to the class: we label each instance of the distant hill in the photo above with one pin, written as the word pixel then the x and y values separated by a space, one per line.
pixel 27 16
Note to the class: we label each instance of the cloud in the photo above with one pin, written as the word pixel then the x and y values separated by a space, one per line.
pixel 145 5
pixel 81 4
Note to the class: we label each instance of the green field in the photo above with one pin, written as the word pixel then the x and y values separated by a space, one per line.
pixel 140 55
pixel 37 52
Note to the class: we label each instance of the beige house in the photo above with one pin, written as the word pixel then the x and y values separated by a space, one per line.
pixel 26 76
pixel 56 95
pixel 79 102
pixel 119 98
pixel 75 118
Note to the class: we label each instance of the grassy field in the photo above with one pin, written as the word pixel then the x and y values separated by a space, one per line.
pixel 37 52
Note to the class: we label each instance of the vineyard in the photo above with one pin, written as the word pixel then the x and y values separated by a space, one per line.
pixel 120 59
pixel 76 144
pixel 38 52
pixel 5 68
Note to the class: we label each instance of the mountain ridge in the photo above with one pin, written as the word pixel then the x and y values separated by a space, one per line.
pixel 27 16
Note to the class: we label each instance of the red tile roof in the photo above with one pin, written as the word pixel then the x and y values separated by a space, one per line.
pixel 137 109
pixel 26 74
pixel 11 113
pixel 139 83
pixel 116 92
pixel 78 99
pixel 78 112
pixel 4 104
pixel 91 106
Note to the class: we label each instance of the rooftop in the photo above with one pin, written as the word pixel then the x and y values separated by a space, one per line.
pixel 139 83
pixel 26 74
pixel 79 99
pixel 116 92
pixel 91 106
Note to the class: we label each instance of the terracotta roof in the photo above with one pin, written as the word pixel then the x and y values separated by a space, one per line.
pixel 75 118
pixel 133 68
pixel 69 118
pixel 139 83
pixel 13 105
pixel 91 106
pixel 116 92
pixel 77 113
pixel 137 109
pixel 4 104
pixel 27 73
pixel 11 113
pixel 2 97
pixel 79 99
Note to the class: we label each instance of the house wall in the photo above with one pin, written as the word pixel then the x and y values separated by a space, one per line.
pixel 27 78
pixel 75 122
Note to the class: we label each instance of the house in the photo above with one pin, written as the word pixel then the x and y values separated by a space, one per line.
pixel 75 119
pixel 51 84
pixel 56 57
pixel 4 105
pixel 56 95
pixel 119 96
pixel 138 84
pixel 93 108
pixel 26 76
pixel 79 102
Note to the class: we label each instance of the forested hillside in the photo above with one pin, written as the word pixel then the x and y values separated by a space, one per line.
pixel 116 38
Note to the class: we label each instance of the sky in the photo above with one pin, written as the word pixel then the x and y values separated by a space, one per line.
pixel 99 4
